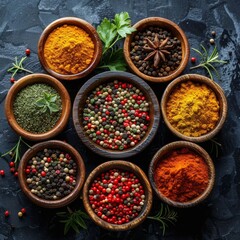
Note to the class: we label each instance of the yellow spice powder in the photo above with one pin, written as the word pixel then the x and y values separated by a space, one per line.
pixel 193 109
pixel 68 50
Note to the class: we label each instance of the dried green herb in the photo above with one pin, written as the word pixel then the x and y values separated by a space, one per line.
pixel 73 219
pixel 30 116
pixel 18 67
pixel 208 59
pixel 47 103
pixel 165 216
pixel 15 151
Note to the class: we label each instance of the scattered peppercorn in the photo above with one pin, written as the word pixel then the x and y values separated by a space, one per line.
pixel 12 80
pixel 193 60
pixel 212 41
pixel 117 196
pixel 2 173
pixel 12 164
pixel 116 115
pixel 23 210
pixel 156 51
pixel 16 174
pixel 12 170
pixel 6 213
pixel 51 174
pixel 27 51
pixel 20 214
pixel 213 33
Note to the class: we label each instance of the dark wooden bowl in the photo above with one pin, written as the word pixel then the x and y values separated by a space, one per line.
pixel 118 164
pixel 172 27
pixel 95 81
pixel 52 144
pixel 195 148
pixel 81 24
pixel 28 80
pixel 219 94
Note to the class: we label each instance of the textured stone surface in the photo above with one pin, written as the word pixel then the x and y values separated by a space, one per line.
pixel 219 217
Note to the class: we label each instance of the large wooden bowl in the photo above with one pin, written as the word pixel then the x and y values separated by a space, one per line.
pixel 118 164
pixel 105 77
pixel 28 80
pixel 219 94
pixel 170 26
pixel 169 148
pixel 52 144
pixel 87 27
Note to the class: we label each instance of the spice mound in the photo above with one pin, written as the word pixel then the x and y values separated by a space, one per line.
pixel 51 174
pixel 117 196
pixel 182 175
pixel 37 104
pixel 116 115
pixel 68 50
pixel 193 109
pixel 156 51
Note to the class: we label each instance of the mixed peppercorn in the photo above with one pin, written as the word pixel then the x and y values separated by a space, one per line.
pixel 117 196
pixel 116 115
pixel 156 52
pixel 51 174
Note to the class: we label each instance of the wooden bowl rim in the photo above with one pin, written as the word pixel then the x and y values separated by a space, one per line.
pixel 213 86
pixel 110 76
pixel 164 22
pixel 119 164
pixel 195 148
pixel 52 144
pixel 86 26
pixel 29 80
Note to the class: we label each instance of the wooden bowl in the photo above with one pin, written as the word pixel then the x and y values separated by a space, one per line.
pixel 219 94
pixel 87 27
pixel 105 77
pixel 28 80
pixel 118 164
pixel 166 24
pixel 178 145
pixel 52 144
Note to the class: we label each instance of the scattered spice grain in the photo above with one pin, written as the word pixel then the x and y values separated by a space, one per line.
pixel 68 50
pixel 193 109
pixel 182 175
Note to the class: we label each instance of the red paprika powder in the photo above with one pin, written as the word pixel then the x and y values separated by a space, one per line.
pixel 182 175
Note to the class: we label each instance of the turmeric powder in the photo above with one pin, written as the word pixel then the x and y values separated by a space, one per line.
pixel 68 50
pixel 182 175
pixel 193 109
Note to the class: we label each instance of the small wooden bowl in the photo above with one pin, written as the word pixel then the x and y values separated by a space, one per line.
pixel 118 164
pixel 52 144
pixel 166 24
pixel 28 80
pixel 87 27
pixel 178 145
pixel 213 86
pixel 105 77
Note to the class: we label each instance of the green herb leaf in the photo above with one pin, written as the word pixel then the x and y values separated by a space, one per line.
pixel 107 32
pixel 40 102
pixel 123 24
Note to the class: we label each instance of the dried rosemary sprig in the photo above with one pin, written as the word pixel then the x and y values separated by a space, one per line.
pixel 73 219
pixel 15 152
pixel 165 216
pixel 18 67
pixel 208 59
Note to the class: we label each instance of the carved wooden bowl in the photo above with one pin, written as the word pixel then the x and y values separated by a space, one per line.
pixel 118 164
pixel 220 97
pixel 179 145
pixel 105 77
pixel 52 144
pixel 28 80
pixel 88 28
pixel 170 26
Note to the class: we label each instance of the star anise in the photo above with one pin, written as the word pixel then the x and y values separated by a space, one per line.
pixel 157 50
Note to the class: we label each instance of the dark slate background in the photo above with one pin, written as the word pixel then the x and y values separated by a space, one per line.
pixel 219 216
